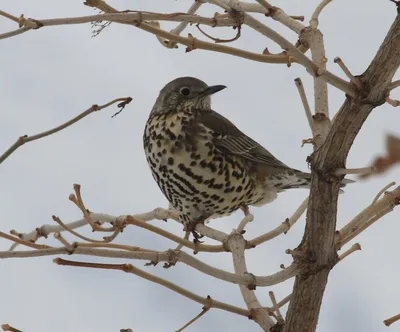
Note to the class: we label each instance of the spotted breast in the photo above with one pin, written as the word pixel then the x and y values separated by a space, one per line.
pixel 199 180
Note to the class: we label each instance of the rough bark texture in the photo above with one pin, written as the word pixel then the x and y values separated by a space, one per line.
pixel 316 253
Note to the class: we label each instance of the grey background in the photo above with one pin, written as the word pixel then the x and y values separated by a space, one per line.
pixel 52 74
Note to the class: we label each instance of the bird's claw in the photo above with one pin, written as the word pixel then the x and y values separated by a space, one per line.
pixel 196 237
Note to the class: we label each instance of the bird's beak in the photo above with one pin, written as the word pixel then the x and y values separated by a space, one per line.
pixel 213 89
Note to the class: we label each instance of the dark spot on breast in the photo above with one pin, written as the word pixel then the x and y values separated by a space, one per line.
pixel 239 189
pixel 195 156
pixel 203 163
pixel 193 163
pixel 171 135
pixel 212 167
pixel 215 197
pixel 170 161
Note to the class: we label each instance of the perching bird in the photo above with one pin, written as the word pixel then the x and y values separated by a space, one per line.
pixel 205 166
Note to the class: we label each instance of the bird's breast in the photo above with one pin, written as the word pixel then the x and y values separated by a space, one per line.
pixel 197 178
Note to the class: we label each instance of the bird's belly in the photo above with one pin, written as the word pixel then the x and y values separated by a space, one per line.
pixel 202 182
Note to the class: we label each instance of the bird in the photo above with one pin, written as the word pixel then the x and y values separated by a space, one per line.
pixel 204 165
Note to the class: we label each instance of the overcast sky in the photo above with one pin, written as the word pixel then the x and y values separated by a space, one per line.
pixel 52 74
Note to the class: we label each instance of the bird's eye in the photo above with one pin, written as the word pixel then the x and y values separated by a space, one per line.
pixel 185 91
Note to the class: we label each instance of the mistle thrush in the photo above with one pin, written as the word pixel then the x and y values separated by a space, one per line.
pixel 205 166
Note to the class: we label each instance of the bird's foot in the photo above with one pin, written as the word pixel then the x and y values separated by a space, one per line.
pixel 191 226
pixel 196 237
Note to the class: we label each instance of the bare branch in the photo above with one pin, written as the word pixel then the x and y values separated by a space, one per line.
pixel 393 102
pixel 354 247
pixel 379 194
pixel 9 16
pixel 237 246
pixel 315 16
pixel 279 15
pixel 182 26
pixel 363 170
pixel 203 311
pixel 346 70
pixel 26 139
pixel 391 320
pixel 248 217
pixel 318 244
pixel 23 242
pixel 275 307
pixel 367 217
pixel 130 220
pixel 314 39
pixel 8 327
pixel 394 85
pixel 300 88
pixel 283 228
pixel 134 270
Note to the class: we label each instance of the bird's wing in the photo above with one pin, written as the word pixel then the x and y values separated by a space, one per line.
pixel 229 139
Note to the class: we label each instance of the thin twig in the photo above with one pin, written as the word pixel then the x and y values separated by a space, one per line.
pixel 182 26
pixel 8 327
pixel 258 26
pixel 67 245
pixel 134 270
pixel 394 85
pixel 367 217
pixel 217 40
pixel 303 96
pixel 23 242
pixel 393 102
pixel 275 307
pixel 280 16
pixel 248 217
pixel 315 16
pixel 203 311
pixel 130 220
pixel 66 227
pixel 110 245
pixel 9 16
pixel 346 70
pixel 362 170
pixel 391 320
pixel 353 248
pixel 25 139
pixel 379 194
pixel 283 228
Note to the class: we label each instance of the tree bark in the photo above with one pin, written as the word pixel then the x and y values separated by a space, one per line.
pixel 316 255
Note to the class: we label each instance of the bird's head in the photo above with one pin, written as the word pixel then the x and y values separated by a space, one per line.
pixel 185 93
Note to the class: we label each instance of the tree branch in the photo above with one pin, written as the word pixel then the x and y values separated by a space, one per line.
pixel 148 276
pixel 317 246
pixel 26 139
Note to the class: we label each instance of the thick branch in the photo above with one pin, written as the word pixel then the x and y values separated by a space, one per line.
pixel 318 241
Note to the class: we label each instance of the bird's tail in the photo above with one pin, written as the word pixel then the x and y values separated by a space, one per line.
pixel 298 179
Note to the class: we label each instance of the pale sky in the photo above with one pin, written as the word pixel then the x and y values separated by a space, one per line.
pixel 50 75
